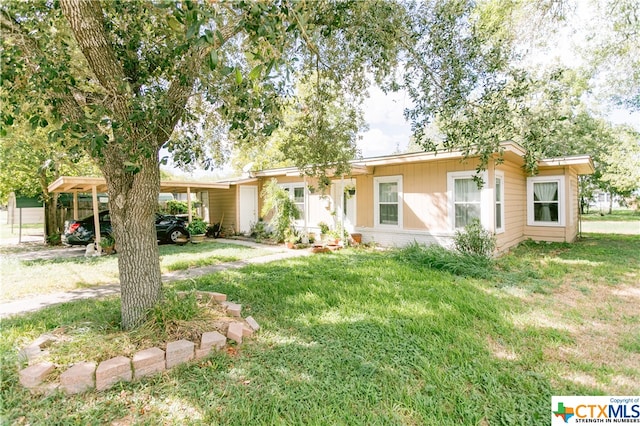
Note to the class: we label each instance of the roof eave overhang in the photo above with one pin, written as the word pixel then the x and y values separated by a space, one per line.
pixel 86 184
pixel 582 164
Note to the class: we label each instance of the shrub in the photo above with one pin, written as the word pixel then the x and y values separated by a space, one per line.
pixel 475 240
pixel 107 241
pixel 179 207
pixel 54 239
pixel 441 259
pixel 174 307
pixel 277 200
pixel 259 231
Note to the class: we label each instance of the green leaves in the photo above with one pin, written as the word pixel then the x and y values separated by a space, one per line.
pixel 213 59
pixel 174 23
pixel 255 72
pixel 37 121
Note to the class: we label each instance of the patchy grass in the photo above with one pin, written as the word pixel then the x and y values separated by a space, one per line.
pixel 47 274
pixel 627 215
pixel 13 231
pixel 380 338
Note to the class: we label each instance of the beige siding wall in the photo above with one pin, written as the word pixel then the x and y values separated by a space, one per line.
pixel 424 187
pixel 573 205
pixel 515 206
pixel 224 202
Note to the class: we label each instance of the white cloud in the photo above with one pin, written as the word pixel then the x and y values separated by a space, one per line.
pixel 388 129
pixel 383 141
pixel 385 109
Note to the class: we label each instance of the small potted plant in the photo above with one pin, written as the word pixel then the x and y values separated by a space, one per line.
pixel 290 238
pixel 107 243
pixel 324 229
pixel 350 190
pixel 197 230
pixel 334 237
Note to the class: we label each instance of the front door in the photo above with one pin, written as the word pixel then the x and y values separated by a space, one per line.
pixel 345 203
pixel 248 207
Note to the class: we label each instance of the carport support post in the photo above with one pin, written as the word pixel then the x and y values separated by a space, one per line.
pixel 75 205
pixel 96 218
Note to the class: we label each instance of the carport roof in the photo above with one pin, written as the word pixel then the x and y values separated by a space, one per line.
pixel 86 184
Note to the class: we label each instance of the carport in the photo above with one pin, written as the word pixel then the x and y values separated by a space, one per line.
pixel 83 184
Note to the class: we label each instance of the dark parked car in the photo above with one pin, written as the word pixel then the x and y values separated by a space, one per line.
pixel 81 232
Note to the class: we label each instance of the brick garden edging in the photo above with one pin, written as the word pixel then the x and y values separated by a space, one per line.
pixel 84 376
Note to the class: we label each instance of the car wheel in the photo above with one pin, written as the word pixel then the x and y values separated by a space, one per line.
pixel 177 234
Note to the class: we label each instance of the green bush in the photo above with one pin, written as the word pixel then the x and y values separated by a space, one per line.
pixel 174 307
pixel 475 240
pixel 277 201
pixel 441 259
pixel 54 239
pixel 179 207
pixel 259 231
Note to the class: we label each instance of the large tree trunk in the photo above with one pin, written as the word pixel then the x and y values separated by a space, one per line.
pixel 51 218
pixel 133 200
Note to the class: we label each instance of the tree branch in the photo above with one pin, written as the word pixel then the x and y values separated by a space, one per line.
pixel 181 88
pixel 67 102
pixel 86 20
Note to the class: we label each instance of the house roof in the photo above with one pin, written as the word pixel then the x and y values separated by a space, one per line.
pixel 86 184
pixel 510 150
pixel 582 163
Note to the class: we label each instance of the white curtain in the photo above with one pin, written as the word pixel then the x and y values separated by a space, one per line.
pixel 544 193
pixel 466 190
pixel 467 201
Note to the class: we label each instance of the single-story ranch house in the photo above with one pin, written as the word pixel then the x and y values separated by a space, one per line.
pixel 397 199
pixel 424 197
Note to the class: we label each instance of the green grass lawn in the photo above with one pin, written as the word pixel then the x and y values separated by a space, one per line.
pixel 21 278
pixel 627 215
pixel 415 336
pixel 13 231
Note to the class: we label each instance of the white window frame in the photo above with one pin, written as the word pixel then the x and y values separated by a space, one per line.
pixel 486 198
pixel 290 188
pixel 376 201
pixel 561 200
pixel 499 176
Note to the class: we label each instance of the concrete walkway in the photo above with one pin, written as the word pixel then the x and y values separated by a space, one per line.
pixel 37 302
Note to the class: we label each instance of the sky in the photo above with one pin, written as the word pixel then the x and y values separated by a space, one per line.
pixel 388 131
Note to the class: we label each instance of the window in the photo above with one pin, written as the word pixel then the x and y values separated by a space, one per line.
pixel 296 193
pixel 388 201
pixel 298 199
pixel 545 199
pixel 499 194
pixel 465 198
